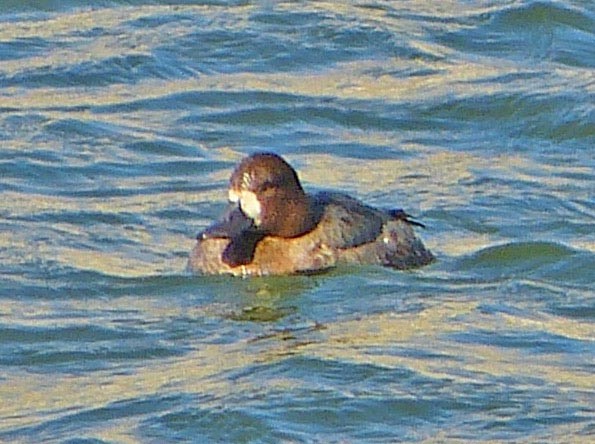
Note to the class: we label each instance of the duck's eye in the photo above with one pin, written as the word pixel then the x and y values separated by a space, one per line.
pixel 266 185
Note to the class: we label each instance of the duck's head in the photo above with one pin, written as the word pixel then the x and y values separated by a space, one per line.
pixel 268 191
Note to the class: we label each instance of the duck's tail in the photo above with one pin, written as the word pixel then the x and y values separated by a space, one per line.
pixel 399 214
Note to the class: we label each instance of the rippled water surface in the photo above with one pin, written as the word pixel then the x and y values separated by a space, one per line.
pixel 120 122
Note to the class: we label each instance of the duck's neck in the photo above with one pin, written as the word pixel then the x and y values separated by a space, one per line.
pixel 289 215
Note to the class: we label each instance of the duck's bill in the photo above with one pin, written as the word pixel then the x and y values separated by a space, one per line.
pixel 233 224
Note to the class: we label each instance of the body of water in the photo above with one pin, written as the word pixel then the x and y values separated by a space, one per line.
pixel 120 123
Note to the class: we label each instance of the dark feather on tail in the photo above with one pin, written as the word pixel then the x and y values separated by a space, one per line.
pixel 399 214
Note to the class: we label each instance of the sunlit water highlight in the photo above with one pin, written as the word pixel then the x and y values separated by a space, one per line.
pixel 120 122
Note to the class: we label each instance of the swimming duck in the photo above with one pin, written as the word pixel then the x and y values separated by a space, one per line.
pixel 274 227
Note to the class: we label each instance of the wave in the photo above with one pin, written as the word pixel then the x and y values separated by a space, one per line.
pixel 537 30
pixel 548 261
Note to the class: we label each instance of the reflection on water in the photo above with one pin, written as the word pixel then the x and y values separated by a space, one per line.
pixel 417 344
pixel 119 127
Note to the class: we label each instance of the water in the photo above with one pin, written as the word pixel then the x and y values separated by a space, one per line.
pixel 120 122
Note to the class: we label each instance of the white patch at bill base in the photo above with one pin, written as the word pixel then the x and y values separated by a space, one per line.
pixel 249 204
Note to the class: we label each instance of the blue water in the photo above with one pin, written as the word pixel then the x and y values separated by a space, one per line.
pixel 120 123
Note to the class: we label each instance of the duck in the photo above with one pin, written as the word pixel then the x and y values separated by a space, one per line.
pixel 274 227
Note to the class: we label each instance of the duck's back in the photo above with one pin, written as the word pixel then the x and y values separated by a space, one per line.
pixel 346 222
pixel 361 234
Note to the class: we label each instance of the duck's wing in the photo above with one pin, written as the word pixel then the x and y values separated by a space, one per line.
pixel 345 222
